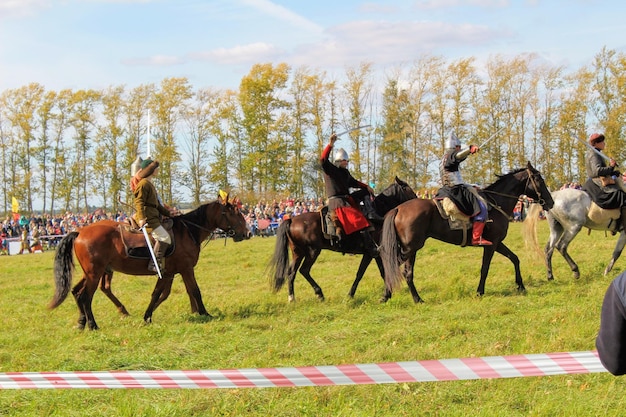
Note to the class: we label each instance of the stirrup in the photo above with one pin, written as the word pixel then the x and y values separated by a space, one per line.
pixel 481 242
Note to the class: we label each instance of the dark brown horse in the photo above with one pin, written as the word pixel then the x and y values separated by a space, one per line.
pixel 101 249
pixel 407 227
pixel 303 234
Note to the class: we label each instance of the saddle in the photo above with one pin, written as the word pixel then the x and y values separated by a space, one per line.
pixel 135 242
pixel 457 220
pixel 328 226
pixel 609 217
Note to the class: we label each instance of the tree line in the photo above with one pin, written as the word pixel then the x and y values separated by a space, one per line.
pixel 72 149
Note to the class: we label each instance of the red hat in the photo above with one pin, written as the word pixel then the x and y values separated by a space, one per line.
pixel 596 138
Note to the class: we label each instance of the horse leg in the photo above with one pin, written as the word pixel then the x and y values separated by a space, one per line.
pixel 387 294
pixel 409 268
pixel 502 249
pixel 193 291
pixel 83 294
pixel 291 274
pixel 105 286
pixel 619 247
pixel 305 270
pixel 365 262
pixel 76 291
pixel 488 252
pixel 160 293
pixel 556 231
pixel 563 244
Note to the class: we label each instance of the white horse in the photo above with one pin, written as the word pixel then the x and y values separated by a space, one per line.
pixel 572 211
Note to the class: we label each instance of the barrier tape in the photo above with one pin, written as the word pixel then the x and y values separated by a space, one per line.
pixel 489 367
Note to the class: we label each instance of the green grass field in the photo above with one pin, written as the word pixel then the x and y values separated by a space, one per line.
pixel 257 328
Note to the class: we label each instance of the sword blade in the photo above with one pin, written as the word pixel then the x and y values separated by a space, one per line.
pixel 154 259
pixel 352 130
pixel 491 137
pixel 605 157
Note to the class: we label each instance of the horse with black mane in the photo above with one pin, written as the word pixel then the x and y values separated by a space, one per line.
pixel 107 246
pixel 408 226
pixel 304 236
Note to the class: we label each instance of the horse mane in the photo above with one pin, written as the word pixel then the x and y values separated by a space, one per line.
pixel 196 216
pixel 503 177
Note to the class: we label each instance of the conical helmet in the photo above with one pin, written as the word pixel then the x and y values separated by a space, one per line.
pixel 452 141
pixel 341 155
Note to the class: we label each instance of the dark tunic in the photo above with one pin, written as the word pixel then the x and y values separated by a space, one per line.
pixel 611 340
pixel 337 182
pixel 606 197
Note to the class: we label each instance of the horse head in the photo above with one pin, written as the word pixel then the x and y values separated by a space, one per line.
pixel 536 188
pixel 231 220
pixel 398 192
pixel 407 191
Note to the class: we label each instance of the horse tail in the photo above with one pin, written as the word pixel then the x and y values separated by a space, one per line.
pixel 63 268
pixel 279 264
pixel 529 229
pixel 389 251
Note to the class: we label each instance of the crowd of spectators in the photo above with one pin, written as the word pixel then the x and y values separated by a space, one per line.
pixel 48 229
pixel 263 218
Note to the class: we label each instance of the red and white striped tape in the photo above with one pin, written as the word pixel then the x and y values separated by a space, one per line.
pixel 383 373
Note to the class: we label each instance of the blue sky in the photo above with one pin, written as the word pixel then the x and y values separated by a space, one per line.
pixel 83 44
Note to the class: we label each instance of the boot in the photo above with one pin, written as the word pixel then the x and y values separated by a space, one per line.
pixel 370 246
pixel 337 224
pixel 477 235
pixel 370 211
pixel 159 252
pixel 622 225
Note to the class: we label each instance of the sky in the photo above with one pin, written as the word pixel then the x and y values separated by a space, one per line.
pixel 82 44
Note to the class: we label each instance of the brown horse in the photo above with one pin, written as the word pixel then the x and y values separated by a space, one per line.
pixel 407 227
pixel 101 249
pixel 303 234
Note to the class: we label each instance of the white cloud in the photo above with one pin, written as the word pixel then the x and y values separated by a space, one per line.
pixel 385 42
pixel 154 61
pixel 240 54
pixel 272 9
pixel 22 8
pixel 444 4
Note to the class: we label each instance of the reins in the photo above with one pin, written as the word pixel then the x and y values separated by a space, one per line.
pixel 229 233
pixel 530 179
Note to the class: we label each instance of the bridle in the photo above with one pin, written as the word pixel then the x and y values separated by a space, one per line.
pixel 530 179
pixel 230 231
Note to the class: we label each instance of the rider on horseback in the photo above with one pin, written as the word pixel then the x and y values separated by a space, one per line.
pixel 149 209
pixel 604 184
pixel 454 187
pixel 343 209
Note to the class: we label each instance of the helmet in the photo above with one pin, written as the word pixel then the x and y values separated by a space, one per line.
pixel 452 141
pixel 135 166
pixel 340 155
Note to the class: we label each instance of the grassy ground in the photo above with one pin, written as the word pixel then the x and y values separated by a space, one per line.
pixel 257 328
